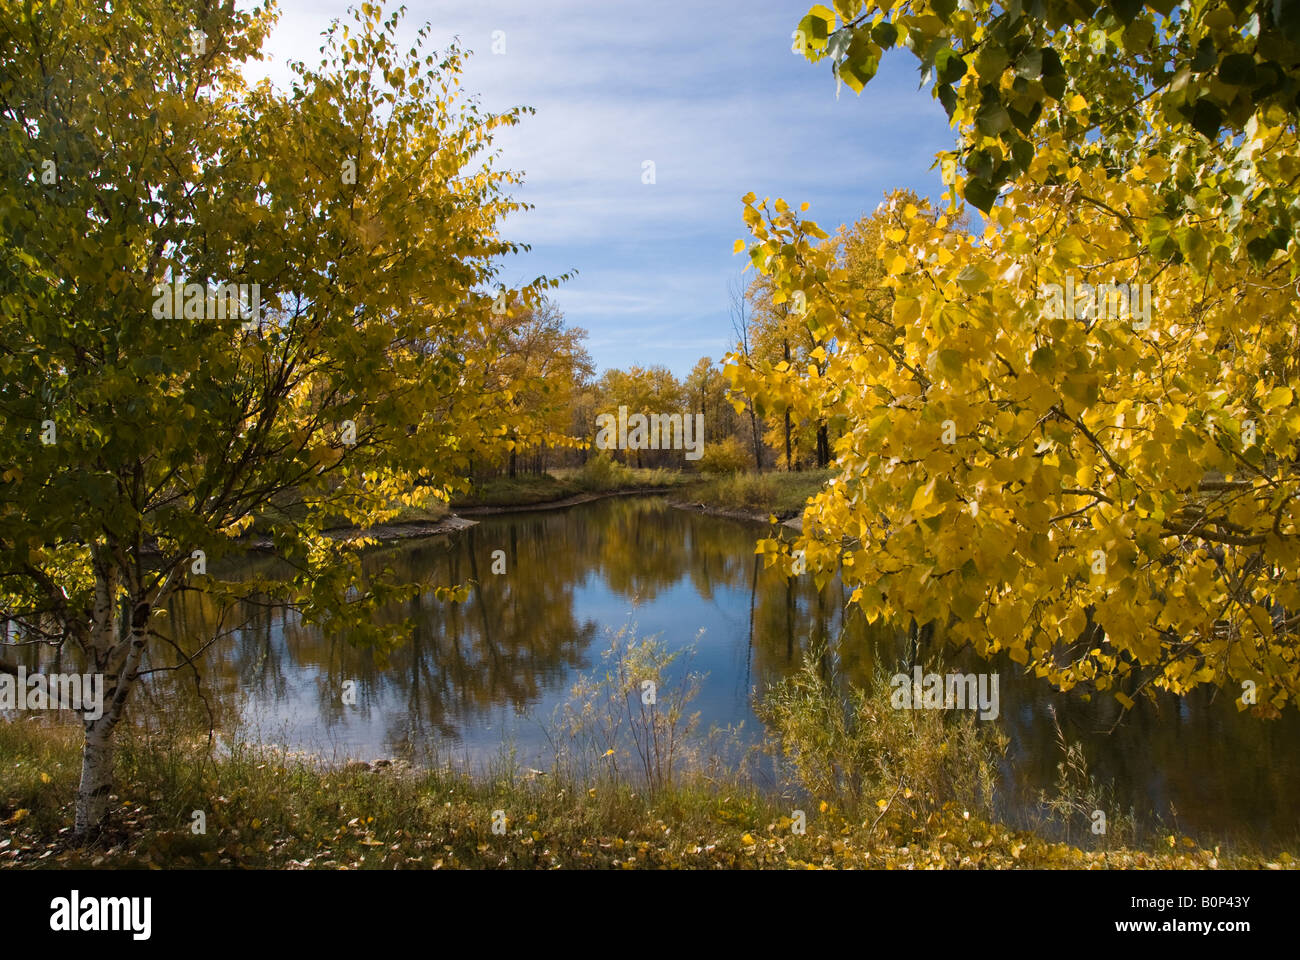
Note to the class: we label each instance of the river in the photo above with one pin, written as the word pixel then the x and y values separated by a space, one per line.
pixel 487 676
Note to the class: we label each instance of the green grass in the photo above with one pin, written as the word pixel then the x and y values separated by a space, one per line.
pixel 600 475
pixel 778 492
pixel 431 511
pixel 504 491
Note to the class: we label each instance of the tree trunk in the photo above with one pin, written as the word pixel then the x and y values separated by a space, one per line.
pixel 97 749
pixel 114 650
pixel 758 441
pixel 96 777
pixel 786 348
pixel 788 467
pixel 823 445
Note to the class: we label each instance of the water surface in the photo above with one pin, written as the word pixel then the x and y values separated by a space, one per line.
pixel 490 673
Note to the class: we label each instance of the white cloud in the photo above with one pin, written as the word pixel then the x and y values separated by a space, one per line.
pixel 715 99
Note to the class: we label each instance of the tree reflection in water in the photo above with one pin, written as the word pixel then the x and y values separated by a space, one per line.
pixel 489 672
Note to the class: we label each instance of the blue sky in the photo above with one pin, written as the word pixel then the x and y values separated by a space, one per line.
pixel 714 96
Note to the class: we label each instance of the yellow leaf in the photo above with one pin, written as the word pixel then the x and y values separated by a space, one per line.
pixel 1279 397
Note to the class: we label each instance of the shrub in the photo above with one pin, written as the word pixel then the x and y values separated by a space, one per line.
pixel 601 472
pixel 855 749
pixel 607 715
pixel 725 456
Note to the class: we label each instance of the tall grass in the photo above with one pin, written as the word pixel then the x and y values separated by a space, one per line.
pixel 851 745
pixel 778 492
pixel 631 708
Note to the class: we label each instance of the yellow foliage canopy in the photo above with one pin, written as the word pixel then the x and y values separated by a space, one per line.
pixel 1106 488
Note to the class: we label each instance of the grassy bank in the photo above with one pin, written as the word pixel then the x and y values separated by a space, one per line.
pixel 599 475
pixel 872 787
pixel 265 809
pixel 771 492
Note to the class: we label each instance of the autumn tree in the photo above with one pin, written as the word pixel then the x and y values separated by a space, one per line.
pixel 707 392
pixel 742 328
pixel 538 369
pixel 1131 73
pixel 146 419
pixel 644 390
pixel 1076 442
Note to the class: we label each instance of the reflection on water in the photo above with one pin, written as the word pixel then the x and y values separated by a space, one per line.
pixel 491 671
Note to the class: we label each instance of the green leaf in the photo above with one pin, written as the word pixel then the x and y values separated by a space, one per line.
pixel 1029 65
pixel 1238 69
pixel 1053 74
pixel 1260 250
pixel 1126 10
pixel 816 27
pixel 1206 55
pixel 948 97
pixel 885 34
pixel 980 194
pixel 1207 118
pixel 1138 35
pixel 949 65
pixel 1022 152
pixel 992 118
pixel 1042 360
pixel 860 62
